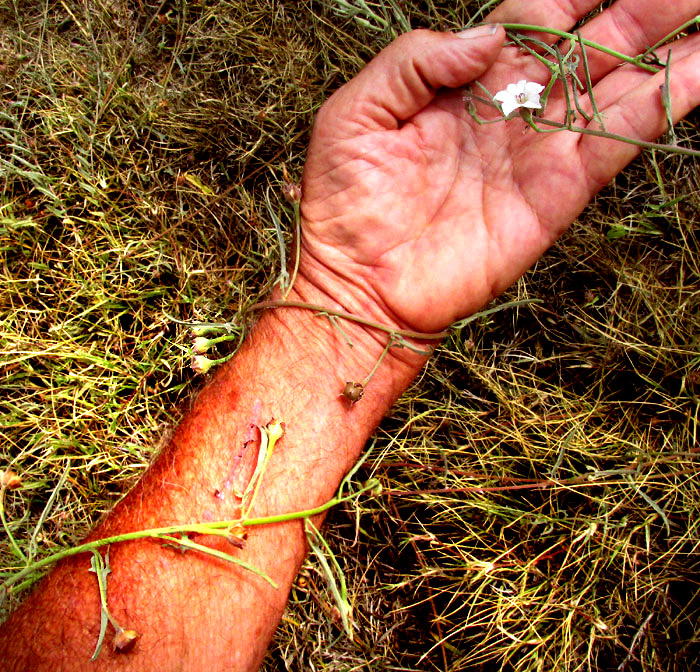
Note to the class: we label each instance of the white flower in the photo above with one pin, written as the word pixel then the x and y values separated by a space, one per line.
pixel 520 94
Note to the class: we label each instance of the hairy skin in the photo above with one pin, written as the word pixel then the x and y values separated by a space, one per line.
pixel 194 611
pixel 412 216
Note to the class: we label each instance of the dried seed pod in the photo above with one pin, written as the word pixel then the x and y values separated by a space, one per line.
pixel 10 480
pixel 237 535
pixel 353 391
pixel 125 640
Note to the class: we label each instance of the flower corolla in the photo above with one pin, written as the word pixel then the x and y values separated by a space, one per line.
pixel 201 364
pixel 520 94
pixel 200 344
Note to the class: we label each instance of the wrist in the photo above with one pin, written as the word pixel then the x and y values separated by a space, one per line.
pixel 369 333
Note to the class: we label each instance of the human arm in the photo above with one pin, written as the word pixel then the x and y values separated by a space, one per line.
pixel 362 287
pixel 193 611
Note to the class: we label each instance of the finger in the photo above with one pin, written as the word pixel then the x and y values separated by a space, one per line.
pixel 631 27
pixel 403 78
pixel 558 14
pixel 618 83
pixel 621 81
pixel 639 114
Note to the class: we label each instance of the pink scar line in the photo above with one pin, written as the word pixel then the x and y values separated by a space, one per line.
pixel 251 436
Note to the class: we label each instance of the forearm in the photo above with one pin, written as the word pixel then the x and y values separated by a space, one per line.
pixel 193 609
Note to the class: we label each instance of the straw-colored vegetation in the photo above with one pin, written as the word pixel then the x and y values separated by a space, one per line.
pixel 540 506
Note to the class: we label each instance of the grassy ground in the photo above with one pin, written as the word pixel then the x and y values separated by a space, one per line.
pixel 541 500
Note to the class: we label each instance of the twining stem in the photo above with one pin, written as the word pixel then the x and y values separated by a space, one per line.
pixel 297 253
pixel 694 21
pixel 638 61
pixel 323 551
pixel 612 136
pixel 490 311
pixel 283 276
pixel 589 83
pixel 18 551
pixel 561 75
pixel 195 528
pixel 387 347
pixel 193 545
pixel 101 569
pixel 666 100
pixel 632 60
pixel 353 318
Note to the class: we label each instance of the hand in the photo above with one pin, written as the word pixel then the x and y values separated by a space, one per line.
pixel 420 216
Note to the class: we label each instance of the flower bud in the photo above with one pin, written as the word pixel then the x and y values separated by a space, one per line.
pixel 204 329
pixel 274 430
pixel 237 535
pixel 201 364
pixel 200 344
pixel 292 192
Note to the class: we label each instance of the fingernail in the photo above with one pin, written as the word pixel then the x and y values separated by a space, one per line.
pixel 485 30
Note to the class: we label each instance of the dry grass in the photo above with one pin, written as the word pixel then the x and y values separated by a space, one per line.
pixel 540 504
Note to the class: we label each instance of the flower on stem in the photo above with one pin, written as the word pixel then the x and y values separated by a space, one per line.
pixel 200 344
pixel 205 329
pixel 521 94
pixel 202 364
pixel 291 192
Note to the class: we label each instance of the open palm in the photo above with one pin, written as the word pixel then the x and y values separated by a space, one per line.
pixel 412 207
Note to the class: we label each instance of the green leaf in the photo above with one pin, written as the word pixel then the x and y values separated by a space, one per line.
pixel 337 587
pixel 102 569
pixel 188 543
pixel 616 232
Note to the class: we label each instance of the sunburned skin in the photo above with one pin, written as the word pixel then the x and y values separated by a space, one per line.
pixel 235 479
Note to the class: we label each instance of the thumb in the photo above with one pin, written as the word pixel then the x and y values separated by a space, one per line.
pixel 403 78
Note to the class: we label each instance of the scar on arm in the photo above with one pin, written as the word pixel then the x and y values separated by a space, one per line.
pixel 235 478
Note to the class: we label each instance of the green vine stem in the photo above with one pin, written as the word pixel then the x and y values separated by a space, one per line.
pixel 632 60
pixel 560 126
pixel 387 347
pixel 15 547
pixel 101 569
pixel 641 61
pixel 297 251
pixel 217 528
pixel 438 336
pixel 589 83
pixel 694 21
pixel 612 136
